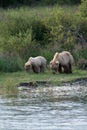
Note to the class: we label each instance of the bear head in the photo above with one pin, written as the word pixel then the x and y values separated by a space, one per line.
pixel 54 66
pixel 54 62
pixel 28 64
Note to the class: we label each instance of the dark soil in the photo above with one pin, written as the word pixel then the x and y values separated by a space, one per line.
pixel 46 83
pixel 34 84
pixel 81 81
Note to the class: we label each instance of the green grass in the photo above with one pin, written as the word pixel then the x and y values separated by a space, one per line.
pixel 13 79
pixel 38 11
pixel 10 81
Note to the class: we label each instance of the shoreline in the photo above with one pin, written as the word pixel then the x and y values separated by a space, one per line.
pixel 16 79
pixel 35 84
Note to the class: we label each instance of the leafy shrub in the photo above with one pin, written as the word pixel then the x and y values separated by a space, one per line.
pixel 82 53
pixel 29 34
pixel 11 64
pixel 82 29
pixel 40 32
pixel 82 64
pixel 83 8
pixel 61 29
pixel 47 54
pixel 20 32
pixel 15 34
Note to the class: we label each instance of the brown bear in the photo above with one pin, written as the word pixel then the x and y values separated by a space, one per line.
pixel 62 62
pixel 38 64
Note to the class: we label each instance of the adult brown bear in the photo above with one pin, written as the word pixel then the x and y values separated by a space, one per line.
pixel 38 64
pixel 62 62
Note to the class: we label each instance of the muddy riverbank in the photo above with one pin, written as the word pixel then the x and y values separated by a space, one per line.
pixel 35 84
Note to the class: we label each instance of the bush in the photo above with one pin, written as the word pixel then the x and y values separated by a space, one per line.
pixel 82 30
pixel 82 64
pixel 15 34
pixel 61 25
pixel 47 54
pixel 11 64
pixel 27 32
pixel 82 53
pixel 18 33
pixel 83 8
pixel 40 32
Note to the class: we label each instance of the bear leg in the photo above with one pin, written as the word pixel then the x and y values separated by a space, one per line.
pixel 66 69
pixel 35 69
pixel 70 68
pixel 42 69
pixel 60 68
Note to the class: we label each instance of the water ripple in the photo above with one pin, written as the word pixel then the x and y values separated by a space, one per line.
pixel 45 108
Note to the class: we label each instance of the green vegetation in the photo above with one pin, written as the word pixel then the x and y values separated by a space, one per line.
pixel 13 79
pixel 41 30
pixel 83 8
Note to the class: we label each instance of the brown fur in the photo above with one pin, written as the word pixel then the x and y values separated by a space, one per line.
pixel 62 62
pixel 37 64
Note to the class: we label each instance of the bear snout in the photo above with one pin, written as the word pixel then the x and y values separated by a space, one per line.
pixel 27 68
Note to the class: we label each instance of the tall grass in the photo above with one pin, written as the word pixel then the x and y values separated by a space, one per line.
pixel 11 64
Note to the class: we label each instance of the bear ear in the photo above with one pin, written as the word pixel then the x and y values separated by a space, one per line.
pixel 30 59
pixel 27 64
pixel 56 53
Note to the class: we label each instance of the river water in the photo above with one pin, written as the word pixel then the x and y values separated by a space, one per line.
pixel 45 108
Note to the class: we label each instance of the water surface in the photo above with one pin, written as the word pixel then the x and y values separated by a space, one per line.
pixel 45 108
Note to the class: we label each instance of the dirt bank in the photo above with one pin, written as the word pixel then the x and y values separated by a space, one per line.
pixel 34 84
